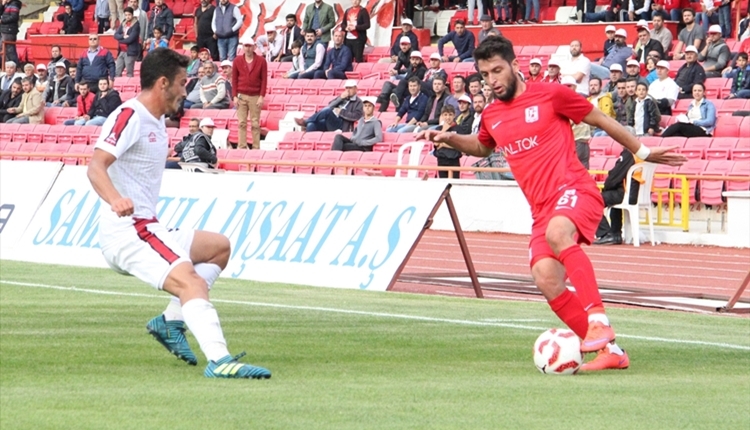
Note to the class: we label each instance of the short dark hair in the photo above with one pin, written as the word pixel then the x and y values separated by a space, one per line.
pixel 83 83
pixel 161 62
pixel 495 46
pixel 689 9
pixel 103 78
pixel 620 81
pixel 291 16
pixel 594 78
pixel 698 83
pixel 480 94
pixel 459 22
pixel 474 78
pixel 309 30
pixel 415 79
pixel 448 109
pixel 644 29
pixel 297 44
pixel 642 84
pixel 194 48
pixel 28 79
pixel 629 79
pixel 439 78
pixel 742 55
pixel 194 119
pixel 72 65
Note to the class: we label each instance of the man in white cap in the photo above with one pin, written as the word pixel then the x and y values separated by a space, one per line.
pixel 338 59
pixel 578 66
pixel 535 71
pixel 368 131
pixel 320 18
pixel 396 93
pixel 249 82
pixel 403 59
pixel 633 70
pixel 715 56
pixel 226 72
pixel 398 44
pixel 609 43
pixel 462 40
pixel 197 146
pixel 619 54
pixel 270 45
pixel 662 34
pixel 692 35
pixel 553 72
pixel 340 114
pixel 646 44
pixel 615 74
pixel 42 77
pixel 664 89
pixel 61 88
pixel 433 71
pixel 690 73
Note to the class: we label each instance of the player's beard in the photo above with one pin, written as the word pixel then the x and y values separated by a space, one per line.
pixel 510 90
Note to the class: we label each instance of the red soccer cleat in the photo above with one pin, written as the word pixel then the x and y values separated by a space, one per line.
pixel 597 337
pixel 607 360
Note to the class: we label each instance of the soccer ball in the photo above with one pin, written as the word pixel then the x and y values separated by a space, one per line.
pixel 558 352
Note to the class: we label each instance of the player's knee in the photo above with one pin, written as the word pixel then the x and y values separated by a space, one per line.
pixel 559 235
pixel 223 252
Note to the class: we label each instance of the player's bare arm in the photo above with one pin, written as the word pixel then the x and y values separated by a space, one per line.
pixel 100 180
pixel 660 155
pixel 468 144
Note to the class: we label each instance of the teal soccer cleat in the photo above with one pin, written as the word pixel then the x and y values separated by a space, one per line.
pixel 171 334
pixel 230 367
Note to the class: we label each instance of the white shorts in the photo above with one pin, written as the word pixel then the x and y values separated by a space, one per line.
pixel 144 248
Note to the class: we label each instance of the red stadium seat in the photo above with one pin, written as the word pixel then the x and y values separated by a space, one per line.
pixel 368 158
pixel 270 156
pixel 710 190
pixel 741 168
pixel 308 156
pixel 26 147
pixel 601 145
pixel 11 147
pixel 728 126
pixel 327 157
pixel 350 157
pixel 289 156
pixel 692 167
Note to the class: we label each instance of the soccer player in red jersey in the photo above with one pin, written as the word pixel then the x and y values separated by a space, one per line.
pixel 531 125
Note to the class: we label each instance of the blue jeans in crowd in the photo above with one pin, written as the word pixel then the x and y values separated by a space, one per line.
pixel 725 20
pixel 529 3
pixel 324 120
pixel 227 48
pixel 332 74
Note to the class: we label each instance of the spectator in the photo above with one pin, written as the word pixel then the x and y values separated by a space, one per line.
pixel 404 59
pixel 707 14
pixel 61 87
pixel 395 93
pixel 142 18
pixel 193 89
pixel 313 54
pixel 297 61
pixel 459 89
pixel 462 40
pixel 434 71
pixel 72 69
pixel 617 55
pixel 341 113
pixel 161 17
pixel 198 148
pixel 129 48
pixel 319 17
pixel 158 40
pixel 715 55
pixel 398 45
pixel 367 132
pixel 101 12
pixel 475 86
pixel 633 70
pixel 691 35
pixel 10 99
pixel 489 94
pixel 664 89
pixel 291 32
pixel 31 109
pixel 479 102
pixel 338 60
pixel 444 153
pixel 581 130
pixel 658 10
pixel 95 63
pixel 116 13
pixel 413 107
pixel 651 69
pixel 582 8
pixel 57 57
pixel 535 71
pixel 487 28
pixel 250 82
pixel 471 6
pixel 535 5
pixel 104 104
pixel 270 45
pixel 203 27
pixel 690 73
pixel 84 102
pixel 204 55
pixel 28 72
pixel 646 44
pixel 213 91
pixel 355 23
pixel 10 21
pixel 435 103
pixel 644 115
pixel 502 12
pixel 614 13
pixel 639 9
pixel 620 100
pixel 740 76
pixel 613 193
pixel 601 99
pixel 193 128
pixel 553 72
pixel 662 34
pixel 700 119
pixel 578 66
pixel 630 85
pixel 725 17
pixel 195 62
pixel 226 27
pixel 615 74
pixel 609 43
pixel 71 21
pixel 77 6
pixel 42 78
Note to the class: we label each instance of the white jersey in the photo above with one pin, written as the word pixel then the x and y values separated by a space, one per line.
pixel 140 143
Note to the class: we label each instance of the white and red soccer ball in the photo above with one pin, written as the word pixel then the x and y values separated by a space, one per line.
pixel 558 352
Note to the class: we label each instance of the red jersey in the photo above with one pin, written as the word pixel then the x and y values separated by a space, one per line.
pixel 533 130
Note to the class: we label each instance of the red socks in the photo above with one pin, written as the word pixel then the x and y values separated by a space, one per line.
pixel 581 274
pixel 569 309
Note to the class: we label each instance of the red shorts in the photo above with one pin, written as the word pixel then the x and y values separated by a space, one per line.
pixel 582 206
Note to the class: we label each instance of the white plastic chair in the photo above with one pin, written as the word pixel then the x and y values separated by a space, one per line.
pixel 631 212
pixel 415 153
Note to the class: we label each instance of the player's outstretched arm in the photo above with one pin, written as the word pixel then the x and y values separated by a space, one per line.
pixel 660 155
pixel 468 143
pixel 100 180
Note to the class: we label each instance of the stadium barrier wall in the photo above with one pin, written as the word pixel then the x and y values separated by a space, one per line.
pixel 23 187
pixel 311 230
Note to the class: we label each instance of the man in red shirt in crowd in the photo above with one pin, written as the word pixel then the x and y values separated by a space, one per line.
pixel 531 125
pixel 83 103
pixel 249 85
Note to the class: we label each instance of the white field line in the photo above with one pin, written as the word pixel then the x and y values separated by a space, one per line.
pixel 377 314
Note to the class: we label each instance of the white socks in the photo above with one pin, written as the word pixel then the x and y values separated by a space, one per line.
pixel 202 319
pixel 174 310
pixel 602 318
pixel 614 349
pixel 209 272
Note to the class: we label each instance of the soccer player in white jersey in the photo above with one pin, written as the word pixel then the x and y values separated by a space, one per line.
pixel 126 171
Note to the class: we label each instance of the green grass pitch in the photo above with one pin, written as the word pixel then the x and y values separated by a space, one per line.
pixel 80 358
